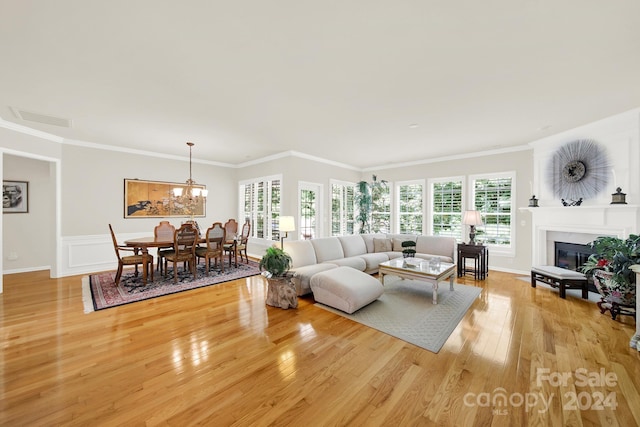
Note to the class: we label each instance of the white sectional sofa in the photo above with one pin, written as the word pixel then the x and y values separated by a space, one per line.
pixel 363 252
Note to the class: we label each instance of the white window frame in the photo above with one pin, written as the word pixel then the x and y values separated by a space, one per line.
pixel 431 182
pixel 271 231
pixel 319 190
pixel 343 223
pixel 396 199
pixel 499 250
pixel 391 212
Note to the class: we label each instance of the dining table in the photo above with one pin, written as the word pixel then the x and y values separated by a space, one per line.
pixel 144 243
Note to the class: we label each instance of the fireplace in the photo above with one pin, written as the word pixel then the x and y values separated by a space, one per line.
pixel 573 255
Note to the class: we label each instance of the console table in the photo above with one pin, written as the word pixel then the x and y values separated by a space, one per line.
pixel 480 256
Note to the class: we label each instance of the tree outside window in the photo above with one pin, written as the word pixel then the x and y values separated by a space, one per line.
pixel 260 204
pixel 342 208
pixel 446 205
pixel 492 196
pixel 410 207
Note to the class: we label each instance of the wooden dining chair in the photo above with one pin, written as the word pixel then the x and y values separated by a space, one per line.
pixel 243 238
pixel 144 259
pixel 185 240
pixel 231 236
pixel 215 238
pixel 164 231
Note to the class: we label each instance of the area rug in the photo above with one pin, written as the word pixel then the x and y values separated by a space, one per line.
pixel 406 311
pixel 100 291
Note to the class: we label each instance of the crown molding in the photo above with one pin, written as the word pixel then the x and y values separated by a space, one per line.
pixel 30 131
pixel 291 153
pixel 300 155
pixel 453 157
pixel 142 152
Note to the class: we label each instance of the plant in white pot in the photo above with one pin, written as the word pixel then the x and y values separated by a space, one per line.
pixel 280 291
pixel 612 273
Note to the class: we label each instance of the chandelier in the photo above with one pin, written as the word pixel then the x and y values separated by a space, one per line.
pixel 187 198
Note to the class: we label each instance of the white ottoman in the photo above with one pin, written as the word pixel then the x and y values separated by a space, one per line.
pixel 345 288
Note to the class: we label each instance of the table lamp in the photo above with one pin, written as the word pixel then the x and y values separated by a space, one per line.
pixel 472 218
pixel 287 223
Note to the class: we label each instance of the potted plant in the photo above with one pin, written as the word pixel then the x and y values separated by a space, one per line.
pixel 363 201
pixel 280 291
pixel 613 277
pixel 409 248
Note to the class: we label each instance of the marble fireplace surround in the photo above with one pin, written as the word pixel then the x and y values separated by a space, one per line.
pixel 551 222
pixel 578 224
pixel 582 224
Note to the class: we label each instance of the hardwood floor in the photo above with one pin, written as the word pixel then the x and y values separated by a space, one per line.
pixel 220 356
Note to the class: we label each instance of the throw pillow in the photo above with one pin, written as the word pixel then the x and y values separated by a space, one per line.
pixel 382 245
pixel 397 244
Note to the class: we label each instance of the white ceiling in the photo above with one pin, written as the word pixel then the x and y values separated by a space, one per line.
pixel 342 80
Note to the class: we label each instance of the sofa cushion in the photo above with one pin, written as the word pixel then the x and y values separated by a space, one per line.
pixel 356 262
pixel 302 276
pixel 382 245
pixel 352 245
pixel 436 245
pixel 397 241
pixel 301 252
pixel 368 240
pixel 327 248
pixel 345 289
pixel 431 256
pixel 373 261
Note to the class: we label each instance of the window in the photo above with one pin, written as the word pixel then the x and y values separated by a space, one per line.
pixel 260 204
pixel 380 207
pixel 410 207
pixel 493 197
pixel 342 208
pixel 309 214
pixel 446 208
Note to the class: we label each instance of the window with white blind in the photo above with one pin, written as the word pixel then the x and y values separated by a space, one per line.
pixel 260 204
pixel 380 207
pixel 446 207
pixel 309 219
pixel 494 197
pixel 410 206
pixel 342 208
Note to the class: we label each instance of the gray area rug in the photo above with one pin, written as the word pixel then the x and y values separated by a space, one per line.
pixel 406 311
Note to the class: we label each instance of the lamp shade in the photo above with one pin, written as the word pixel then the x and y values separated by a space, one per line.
pixel 472 218
pixel 287 223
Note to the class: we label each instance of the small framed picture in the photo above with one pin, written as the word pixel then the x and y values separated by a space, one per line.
pixel 15 197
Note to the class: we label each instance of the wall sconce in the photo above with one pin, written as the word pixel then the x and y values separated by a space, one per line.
pixel 472 218
pixel 286 224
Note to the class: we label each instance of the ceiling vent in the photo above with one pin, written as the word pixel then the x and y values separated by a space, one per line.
pixel 41 118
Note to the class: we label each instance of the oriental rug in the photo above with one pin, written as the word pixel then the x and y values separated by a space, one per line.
pixel 406 311
pixel 99 291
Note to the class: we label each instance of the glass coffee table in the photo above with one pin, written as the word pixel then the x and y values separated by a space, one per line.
pixel 419 269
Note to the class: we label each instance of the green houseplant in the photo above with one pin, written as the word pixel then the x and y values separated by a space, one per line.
pixel 614 255
pixel 612 275
pixel 280 291
pixel 363 201
pixel 408 248
pixel 275 262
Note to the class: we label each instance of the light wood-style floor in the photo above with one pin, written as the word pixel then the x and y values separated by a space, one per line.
pixel 219 356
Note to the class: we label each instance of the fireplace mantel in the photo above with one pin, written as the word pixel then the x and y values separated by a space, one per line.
pixel 590 221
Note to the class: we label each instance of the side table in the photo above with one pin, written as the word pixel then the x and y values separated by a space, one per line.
pixel 480 256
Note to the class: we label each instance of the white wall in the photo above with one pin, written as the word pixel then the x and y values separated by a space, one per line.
pixel 28 237
pixel 520 161
pixel 91 197
pixel 619 134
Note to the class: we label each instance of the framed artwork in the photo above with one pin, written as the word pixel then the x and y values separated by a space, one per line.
pixel 155 199
pixel 15 197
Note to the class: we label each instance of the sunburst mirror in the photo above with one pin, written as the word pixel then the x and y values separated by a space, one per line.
pixel 579 169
